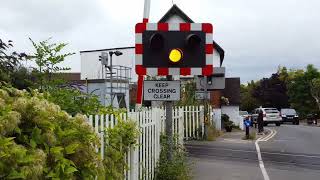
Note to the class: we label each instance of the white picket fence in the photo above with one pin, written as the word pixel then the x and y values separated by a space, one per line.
pixel 142 160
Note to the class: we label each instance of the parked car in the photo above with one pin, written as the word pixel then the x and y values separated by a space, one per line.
pixel 270 116
pixel 312 118
pixel 244 114
pixel 289 115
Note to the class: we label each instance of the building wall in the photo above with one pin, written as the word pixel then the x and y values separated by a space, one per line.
pixel 91 67
pixel 232 91
pixel 215 98
pixel 103 92
pixel 233 113
pixel 216 114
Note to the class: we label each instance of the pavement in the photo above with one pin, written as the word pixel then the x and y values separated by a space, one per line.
pixel 288 152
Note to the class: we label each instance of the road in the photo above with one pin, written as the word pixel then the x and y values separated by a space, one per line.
pixel 293 153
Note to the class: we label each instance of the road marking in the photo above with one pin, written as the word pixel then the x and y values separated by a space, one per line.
pixel 271 132
pixel 288 154
pixel 250 151
pixel 261 164
pixel 263 169
pixel 269 136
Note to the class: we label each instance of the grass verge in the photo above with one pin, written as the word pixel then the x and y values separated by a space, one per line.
pixel 252 136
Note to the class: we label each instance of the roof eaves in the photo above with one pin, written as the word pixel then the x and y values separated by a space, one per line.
pixel 175 10
pixel 220 51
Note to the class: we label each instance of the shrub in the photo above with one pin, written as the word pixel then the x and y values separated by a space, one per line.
pixel 226 121
pixel 177 168
pixel 73 101
pixel 40 141
pixel 120 138
pixel 225 118
pixel 213 133
pixel 236 127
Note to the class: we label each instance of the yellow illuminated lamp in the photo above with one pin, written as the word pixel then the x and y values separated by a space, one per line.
pixel 175 55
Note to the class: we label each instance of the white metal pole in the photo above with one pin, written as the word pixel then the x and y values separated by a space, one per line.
pixel 146 10
pixel 146 13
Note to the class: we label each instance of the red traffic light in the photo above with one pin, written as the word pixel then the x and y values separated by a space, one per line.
pixel 192 41
pixel 156 41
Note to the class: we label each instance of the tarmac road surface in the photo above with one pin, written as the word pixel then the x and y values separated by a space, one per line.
pixel 293 153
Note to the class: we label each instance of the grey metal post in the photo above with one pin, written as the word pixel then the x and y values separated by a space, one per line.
pixel 169 133
pixel 206 119
pixel 111 80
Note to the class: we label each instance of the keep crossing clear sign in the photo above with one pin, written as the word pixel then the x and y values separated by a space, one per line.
pixel 161 90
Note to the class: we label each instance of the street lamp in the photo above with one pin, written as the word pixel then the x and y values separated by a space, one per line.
pixel 117 53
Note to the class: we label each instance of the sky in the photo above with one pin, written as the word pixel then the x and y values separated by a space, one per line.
pixel 258 36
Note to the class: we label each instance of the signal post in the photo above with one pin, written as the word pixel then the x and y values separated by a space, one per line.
pixel 171 49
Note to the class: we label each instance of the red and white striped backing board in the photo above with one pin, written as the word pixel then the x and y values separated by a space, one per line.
pixel 163 71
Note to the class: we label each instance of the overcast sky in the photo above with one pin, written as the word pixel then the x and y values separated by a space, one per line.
pixel 257 35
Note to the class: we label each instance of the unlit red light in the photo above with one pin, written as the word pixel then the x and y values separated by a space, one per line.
pixel 175 55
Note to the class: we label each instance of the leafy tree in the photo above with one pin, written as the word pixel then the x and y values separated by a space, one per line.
pixel 8 61
pixel 22 78
pixel 315 90
pixel 73 101
pixel 272 92
pixel 299 86
pixel 47 56
pixel 248 102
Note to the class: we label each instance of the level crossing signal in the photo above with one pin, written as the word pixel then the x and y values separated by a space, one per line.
pixel 174 49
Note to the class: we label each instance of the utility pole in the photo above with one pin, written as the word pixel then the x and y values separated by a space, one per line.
pixel 111 78
pixel 103 58
pixel 205 104
pixel 111 53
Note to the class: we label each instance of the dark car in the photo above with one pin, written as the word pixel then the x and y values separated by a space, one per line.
pixel 289 115
pixel 312 118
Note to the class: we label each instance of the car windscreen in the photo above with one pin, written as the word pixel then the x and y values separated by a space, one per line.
pixel 271 111
pixel 243 113
pixel 288 111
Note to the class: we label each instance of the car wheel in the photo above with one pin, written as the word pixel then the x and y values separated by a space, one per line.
pixel 297 123
pixel 265 124
pixel 278 124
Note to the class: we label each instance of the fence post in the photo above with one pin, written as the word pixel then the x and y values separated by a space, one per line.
pixel 134 164
pixel 181 126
